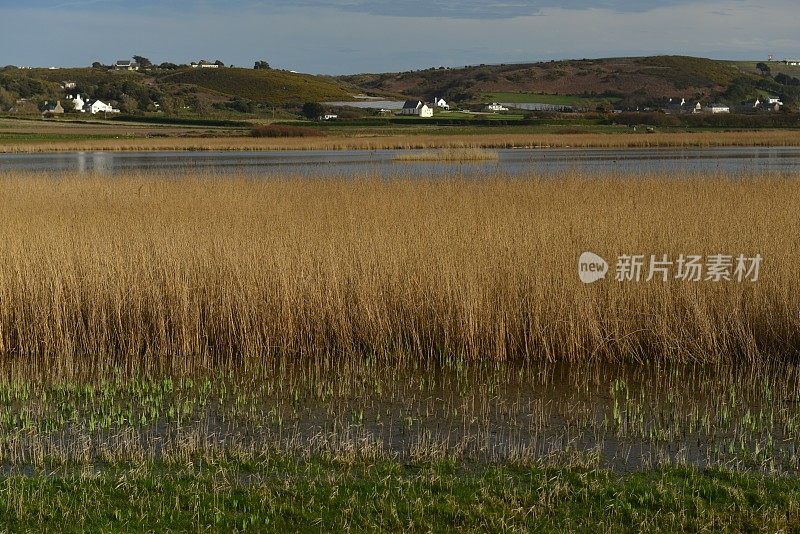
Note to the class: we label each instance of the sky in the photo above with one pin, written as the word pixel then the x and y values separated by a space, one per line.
pixel 352 36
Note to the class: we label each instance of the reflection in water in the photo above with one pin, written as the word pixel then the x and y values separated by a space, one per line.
pixel 784 160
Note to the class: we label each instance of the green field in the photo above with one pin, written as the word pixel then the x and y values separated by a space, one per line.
pixel 281 495
pixel 559 100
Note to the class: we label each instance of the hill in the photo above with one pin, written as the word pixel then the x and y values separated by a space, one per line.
pixel 182 91
pixel 275 87
pixel 635 79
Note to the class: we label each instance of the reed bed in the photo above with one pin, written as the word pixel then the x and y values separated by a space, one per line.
pixel 451 154
pixel 155 273
pixel 430 141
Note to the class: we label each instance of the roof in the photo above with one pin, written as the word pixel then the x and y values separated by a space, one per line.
pixel 412 104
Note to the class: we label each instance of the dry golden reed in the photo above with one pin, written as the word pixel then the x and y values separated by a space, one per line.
pixel 157 272
pixel 425 141
pixel 449 154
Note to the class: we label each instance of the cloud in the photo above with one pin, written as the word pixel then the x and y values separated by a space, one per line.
pixel 468 9
pixel 338 38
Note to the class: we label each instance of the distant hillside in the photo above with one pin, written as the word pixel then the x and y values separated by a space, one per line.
pixel 645 78
pixel 174 91
pixel 276 87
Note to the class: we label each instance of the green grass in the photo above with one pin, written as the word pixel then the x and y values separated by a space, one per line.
pixel 534 98
pixel 775 67
pixel 319 496
pixel 269 86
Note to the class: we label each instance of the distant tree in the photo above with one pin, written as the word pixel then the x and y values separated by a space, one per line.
pixel 261 65
pixel 10 67
pixel 143 62
pixel 219 63
pixel 785 79
pixel 313 110
pixel 763 68
pixel 169 66
pixel 97 65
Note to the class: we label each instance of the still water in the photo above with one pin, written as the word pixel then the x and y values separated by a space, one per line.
pixel 784 160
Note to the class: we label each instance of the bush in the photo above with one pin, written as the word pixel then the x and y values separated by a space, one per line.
pixel 283 130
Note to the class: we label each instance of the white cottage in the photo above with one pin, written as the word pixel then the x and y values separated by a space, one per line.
pixel 418 108
pixel 441 103
pixel 494 106
pixel 78 103
pixel 717 108
pixel 98 106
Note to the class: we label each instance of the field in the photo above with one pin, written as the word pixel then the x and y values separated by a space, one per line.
pixel 561 100
pixel 230 352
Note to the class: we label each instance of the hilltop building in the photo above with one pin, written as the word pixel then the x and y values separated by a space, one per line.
pixel 441 103
pixel 203 64
pixel 124 64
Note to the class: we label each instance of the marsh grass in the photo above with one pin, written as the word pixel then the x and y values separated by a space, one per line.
pixel 452 154
pixel 158 272
pixel 760 138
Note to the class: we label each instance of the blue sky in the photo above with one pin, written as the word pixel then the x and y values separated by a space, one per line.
pixel 347 36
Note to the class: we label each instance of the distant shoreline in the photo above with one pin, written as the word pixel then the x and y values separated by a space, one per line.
pixel 761 138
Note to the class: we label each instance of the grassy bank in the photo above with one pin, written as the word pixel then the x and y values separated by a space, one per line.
pixel 422 140
pixel 285 496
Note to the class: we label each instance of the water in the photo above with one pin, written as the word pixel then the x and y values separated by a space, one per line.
pixel 515 162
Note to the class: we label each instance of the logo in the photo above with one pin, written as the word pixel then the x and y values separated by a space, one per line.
pixel 591 268
pixel 716 268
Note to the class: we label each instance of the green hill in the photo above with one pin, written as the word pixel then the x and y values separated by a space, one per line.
pixel 187 91
pixel 275 87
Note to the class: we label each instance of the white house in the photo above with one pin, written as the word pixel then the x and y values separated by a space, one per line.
pixel 98 106
pixel 717 108
pixel 329 117
pixel 698 108
pixel 204 65
pixel 77 102
pixel 418 108
pixel 441 103
pixel 125 64
pixel 494 106
pixel 792 62
pixel 774 101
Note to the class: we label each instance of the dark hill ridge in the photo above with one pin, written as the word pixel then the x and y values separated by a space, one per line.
pixel 646 77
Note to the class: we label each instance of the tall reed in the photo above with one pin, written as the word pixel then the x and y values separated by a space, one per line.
pixel 154 272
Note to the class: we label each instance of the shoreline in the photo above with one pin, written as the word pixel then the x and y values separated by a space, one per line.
pixel 762 138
